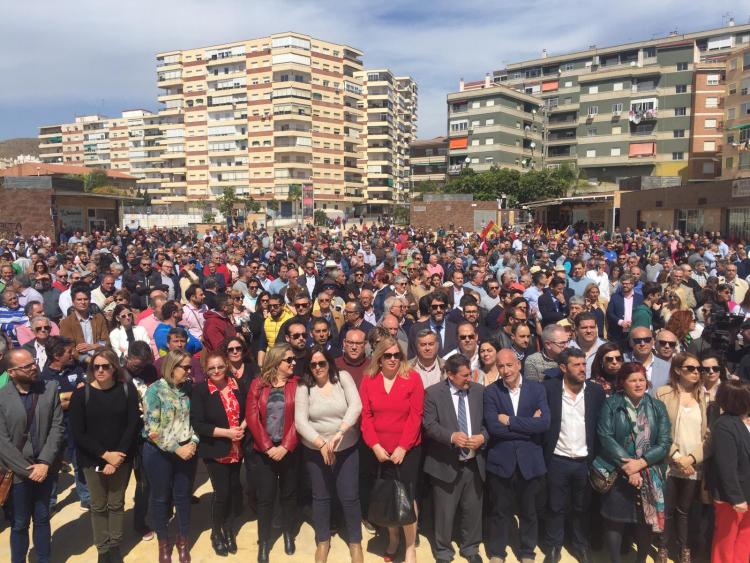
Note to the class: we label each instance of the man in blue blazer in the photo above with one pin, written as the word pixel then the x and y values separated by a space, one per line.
pixel 641 343
pixel 620 309
pixel 516 415
pixel 569 447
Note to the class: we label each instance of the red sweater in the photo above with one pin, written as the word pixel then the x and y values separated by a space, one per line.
pixel 392 419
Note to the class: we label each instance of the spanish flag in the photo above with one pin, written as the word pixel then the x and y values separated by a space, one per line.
pixel 490 227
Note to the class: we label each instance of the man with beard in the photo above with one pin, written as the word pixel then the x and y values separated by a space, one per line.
pixel 445 329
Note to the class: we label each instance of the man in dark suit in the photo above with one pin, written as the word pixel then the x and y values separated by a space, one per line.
pixel 517 416
pixel 569 447
pixel 446 330
pixel 553 304
pixel 620 309
pixel 453 423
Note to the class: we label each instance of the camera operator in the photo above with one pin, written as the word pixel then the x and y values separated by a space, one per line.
pixel 742 355
pixel 726 334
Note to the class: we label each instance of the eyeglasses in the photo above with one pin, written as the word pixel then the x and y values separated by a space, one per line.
pixel 613 359
pixel 318 365
pixel 645 340
pixel 126 316
pixel 290 360
pixel 300 305
pixel 215 369
pixel 565 343
pixel 237 297
pixel 27 367
pixel 274 305
pixel 41 328
pixel 710 369
pixel 252 287
pixel 233 349
pixel 691 369
pixel 667 343
pixel 297 335
pixel 467 336
pixel 438 307
pixel 186 367
pixel 105 367
pixel 392 356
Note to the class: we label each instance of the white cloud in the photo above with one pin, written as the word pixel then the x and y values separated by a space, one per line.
pixel 92 53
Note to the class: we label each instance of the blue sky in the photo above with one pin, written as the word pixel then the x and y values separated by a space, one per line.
pixel 74 57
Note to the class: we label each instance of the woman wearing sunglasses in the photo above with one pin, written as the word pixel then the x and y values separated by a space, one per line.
pixel 686 407
pixel 217 412
pixel 270 418
pixel 607 364
pixel 169 453
pixel 327 409
pixel 125 332
pixel 104 421
pixel 392 397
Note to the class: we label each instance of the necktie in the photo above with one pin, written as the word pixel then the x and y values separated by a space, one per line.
pixel 463 426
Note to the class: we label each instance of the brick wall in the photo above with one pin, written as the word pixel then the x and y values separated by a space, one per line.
pixel 27 210
pixel 460 214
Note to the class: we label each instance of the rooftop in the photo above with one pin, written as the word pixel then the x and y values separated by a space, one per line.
pixel 45 169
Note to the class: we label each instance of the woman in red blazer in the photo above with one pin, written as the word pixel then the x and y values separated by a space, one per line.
pixel 392 401
pixel 275 461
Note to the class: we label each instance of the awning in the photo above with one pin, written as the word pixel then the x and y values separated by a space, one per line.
pixel 740 126
pixel 549 86
pixel 642 149
pixel 459 143
pixel 593 198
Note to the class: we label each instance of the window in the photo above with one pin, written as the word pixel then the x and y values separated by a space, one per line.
pixel 568 66
pixel 709 146
pixel 475 105
pixel 713 79
pixel 593 110
pixel 475 161
pixel 617 109
pixel 460 125
pixel 708 167
pixel 731 113
pixel 680 111
pixel 489 141
pixel 489 122
pixel 568 84
pixel 591 131
pixel 489 159
pixel 745 109
pixel 475 123
pixel 678 133
pixel 617 86
pixel 690 220
pixel 614 151
pixel 732 89
pixel 490 103
pixel 709 124
pixel 649 52
pixel 729 163
pixel 593 89
pixel 591 153
pixel 682 66
pixel 712 102
pixel 475 142
pixel 680 89
pixel 617 130
pixel 678 156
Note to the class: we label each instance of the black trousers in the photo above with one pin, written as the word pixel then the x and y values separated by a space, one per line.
pixel 227 499
pixel 678 499
pixel 463 498
pixel 502 492
pixel 272 476
pixel 567 482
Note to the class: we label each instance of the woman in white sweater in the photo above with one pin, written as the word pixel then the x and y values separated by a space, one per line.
pixel 125 332
pixel 327 409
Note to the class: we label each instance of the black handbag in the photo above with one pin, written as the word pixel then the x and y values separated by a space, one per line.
pixel 391 503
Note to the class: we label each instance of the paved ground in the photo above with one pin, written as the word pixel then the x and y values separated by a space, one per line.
pixel 71 538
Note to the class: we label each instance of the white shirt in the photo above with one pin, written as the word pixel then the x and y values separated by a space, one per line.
pixel 65 302
pixel 572 440
pixel 454 397
pixel 515 394
pixel 628 301
pixel 41 355
pixel 474 360
pixel 601 281
pixel 590 355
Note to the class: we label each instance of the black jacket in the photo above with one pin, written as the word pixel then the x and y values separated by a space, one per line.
pixel 551 309
pixel 594 398
pixel 728 472
pixel 206 414
pixel 140 285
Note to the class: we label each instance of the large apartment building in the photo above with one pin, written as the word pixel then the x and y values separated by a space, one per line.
pixel 429 162
pixel 390 106
pixel 736 151
pixel 651 107
pixel 493 125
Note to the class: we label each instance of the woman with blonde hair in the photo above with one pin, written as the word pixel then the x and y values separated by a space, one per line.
pixel 686 408
pixel 169 452
pixel 392 397
pixel 104 421
pixel 596 305
pixel 275 460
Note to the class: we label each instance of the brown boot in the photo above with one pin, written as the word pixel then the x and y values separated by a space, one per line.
pixel 183 549
pixel 685 555
pixel 165 550
pixel 355 550
pixel 321 552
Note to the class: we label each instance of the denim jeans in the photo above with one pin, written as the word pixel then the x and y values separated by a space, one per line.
pixel 30 500
pixel 170 480
pixel 82 489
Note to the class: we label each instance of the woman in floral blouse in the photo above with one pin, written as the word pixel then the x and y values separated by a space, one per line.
pixel 169 452
pixel 217 412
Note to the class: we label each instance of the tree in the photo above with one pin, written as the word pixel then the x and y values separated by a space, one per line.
pixel 320 218
pixel 294 195
pixel 95 179
pixel 251 206
pixel 401 214
pixel 225 202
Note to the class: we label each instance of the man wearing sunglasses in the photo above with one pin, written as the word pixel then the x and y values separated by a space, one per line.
pixel 42 329
pixel 295 334
pixel 666 345
pixel 445 329
pixel 30 450
pixel 641 342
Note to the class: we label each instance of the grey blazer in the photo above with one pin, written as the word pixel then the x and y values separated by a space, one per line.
pixel 48 429
pixel 440 421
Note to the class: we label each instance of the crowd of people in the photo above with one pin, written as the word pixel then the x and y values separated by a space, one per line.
pixel 590 389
